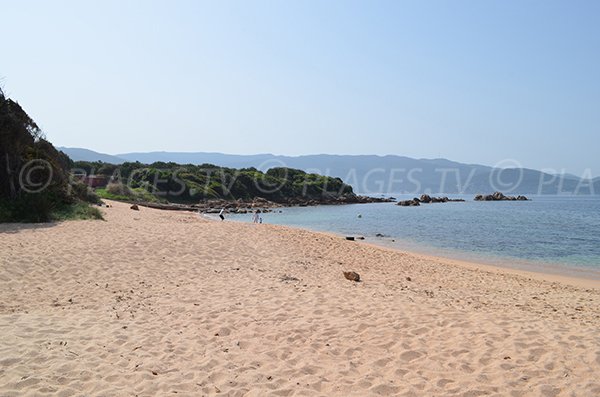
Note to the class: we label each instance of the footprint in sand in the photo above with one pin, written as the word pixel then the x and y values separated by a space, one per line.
pixel 410 355
pixel 443 382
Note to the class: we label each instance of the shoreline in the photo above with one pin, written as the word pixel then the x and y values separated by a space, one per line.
pixel 538 275
pixel 538 272
pixel 546 271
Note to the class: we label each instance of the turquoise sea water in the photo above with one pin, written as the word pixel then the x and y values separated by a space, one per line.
pixel 550 233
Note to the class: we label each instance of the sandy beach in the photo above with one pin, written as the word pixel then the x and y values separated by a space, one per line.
pixel 154 302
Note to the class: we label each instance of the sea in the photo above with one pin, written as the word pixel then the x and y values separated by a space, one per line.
pixel 550 234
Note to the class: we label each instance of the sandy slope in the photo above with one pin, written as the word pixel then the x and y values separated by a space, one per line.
pixel 158 303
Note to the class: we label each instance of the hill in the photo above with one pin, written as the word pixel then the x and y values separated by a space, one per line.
pixel 370 174
pixel 190 184
pixel 80 154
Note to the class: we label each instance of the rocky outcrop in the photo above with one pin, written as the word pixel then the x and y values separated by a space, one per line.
pixel 335 200
pixel 215 206
pixel 409 203
pixel 241 206
pixel 168 206
pixel 498 196
pixel 426 199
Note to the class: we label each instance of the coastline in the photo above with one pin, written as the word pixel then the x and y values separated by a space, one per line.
pixel 546 272
pixel 538 275
pixel 155 302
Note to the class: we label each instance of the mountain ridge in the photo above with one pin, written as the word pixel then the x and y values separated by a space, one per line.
pixel 377 174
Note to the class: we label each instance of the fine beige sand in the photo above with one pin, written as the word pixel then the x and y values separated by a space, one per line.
pixel 161 303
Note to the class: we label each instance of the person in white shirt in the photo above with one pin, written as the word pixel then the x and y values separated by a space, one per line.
pixel 221 214
pixel 256 216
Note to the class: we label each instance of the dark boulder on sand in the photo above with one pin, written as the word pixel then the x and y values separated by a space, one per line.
pixel 135 207
pixel 352 276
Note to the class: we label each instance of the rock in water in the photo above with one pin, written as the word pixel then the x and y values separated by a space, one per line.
pixel 352 276
pixel 409 203
pixel 499 196
pixel 349 238
pixel 425 198
pixel 135 207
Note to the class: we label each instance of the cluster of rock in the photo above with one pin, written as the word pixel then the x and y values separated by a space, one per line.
pixel 215 206
pixel 335 200
pixel 426 199
pixel 236 206
pixel 497 196
pixel 241 206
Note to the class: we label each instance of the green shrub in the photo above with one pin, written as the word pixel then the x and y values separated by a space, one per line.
pixel 119 189
pixel 38 208
pixel 30 208
pixel 30 162
pixel 77 211
pixel 85 193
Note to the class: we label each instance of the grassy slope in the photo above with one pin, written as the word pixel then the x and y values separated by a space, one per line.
pixel 138 194
pixel 76 211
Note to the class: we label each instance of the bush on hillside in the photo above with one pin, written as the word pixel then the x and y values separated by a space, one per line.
pixel 34 176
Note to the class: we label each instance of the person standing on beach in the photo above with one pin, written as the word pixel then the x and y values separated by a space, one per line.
pixel 256 216
pixel 221 214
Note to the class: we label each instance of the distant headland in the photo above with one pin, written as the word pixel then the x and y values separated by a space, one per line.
pixel 371 175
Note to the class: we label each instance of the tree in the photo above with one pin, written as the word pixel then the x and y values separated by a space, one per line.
pixel 18 132
pixel 28 160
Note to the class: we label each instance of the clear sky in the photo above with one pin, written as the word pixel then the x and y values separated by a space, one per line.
pixel 472 81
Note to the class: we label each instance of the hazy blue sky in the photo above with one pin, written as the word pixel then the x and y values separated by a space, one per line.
pixel 472 81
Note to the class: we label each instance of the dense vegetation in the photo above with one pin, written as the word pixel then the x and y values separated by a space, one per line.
pixel 192 183
pixel 34 176
pixel 39 183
